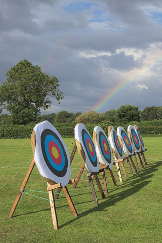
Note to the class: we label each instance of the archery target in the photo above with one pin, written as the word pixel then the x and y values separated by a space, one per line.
pixel 134 138
pixel 83 136
pixel 140 138
pixel 103 148
pixel 115 143
pixel 127 146
pixel 51 155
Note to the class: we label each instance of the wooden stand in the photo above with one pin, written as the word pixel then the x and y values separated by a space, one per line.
pixel 135 167
pixel 91 176
pixel 102 166
pixel 119 163
pixel 143 158
pixel 50 187
pixel 140 160
pixel 22 188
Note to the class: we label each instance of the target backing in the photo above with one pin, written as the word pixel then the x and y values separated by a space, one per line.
pixel 51 155
pixel 127 145
pixel 103 147
pixel 115 143
pixel 84 138
pixel 133 136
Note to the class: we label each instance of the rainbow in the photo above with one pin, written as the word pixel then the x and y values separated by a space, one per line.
pixel 141 73
pixel 111 92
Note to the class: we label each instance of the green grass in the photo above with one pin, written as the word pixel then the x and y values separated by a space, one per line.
pixel 131 213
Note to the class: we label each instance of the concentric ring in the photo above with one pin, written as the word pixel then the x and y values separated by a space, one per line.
pixel 54 153
pixel 89 147
pixel 135 139
pixel 105 147
pixel 126 141
pixel 140 138
pixel 117 143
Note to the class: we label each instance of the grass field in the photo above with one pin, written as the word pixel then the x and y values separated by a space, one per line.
pixel 131 213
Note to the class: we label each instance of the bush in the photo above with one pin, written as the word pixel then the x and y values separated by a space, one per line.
pixel 18 131
pixel 67 129
pixel 21 131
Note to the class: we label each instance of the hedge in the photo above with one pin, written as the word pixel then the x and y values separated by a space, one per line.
pixel 66 130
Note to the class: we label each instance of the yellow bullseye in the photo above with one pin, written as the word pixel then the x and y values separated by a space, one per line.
pixel 90 147
pixel 105 147
pixel 55 152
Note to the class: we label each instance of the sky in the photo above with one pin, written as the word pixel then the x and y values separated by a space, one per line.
pixel 106 53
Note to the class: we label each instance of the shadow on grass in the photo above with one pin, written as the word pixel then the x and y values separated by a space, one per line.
pixel 111 201
pixel 136 185
pixel 135 182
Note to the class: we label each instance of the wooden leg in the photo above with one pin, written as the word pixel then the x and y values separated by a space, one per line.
pixel 22 187
pixel 53 209
pixel 112 176
pixel 94 196
pixel 130 165
pixel 99 186
pixel 144 158
pixel 133 164
pixel 140 160
pixel 123 168
pixel 73 153
pixel 104 182
pixel 137 162
pixel 119 172
pixel 77 178
pixel 69 201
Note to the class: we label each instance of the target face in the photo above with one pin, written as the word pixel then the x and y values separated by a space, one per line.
pixel 140 138
pixel 102 145
pixel 117 143
pixel 82 135
pixel 51 155
pixel 134 137
pixel 127 146
pixel 89 146
pixel 54 153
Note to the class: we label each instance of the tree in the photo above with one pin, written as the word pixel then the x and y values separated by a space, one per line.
pixel 49 117
pixel 151 113
pixel 127 113
pixel 89 117
pixel 64 116
pixel 111 115
pixel 27 90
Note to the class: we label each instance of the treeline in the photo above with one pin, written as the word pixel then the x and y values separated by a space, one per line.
pixel 124 114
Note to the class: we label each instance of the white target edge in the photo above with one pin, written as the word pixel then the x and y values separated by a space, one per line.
pixel 39 159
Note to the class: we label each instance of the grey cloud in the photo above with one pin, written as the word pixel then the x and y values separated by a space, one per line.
pixel 55 43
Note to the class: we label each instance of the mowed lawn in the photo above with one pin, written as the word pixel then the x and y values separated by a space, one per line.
pixel 131 212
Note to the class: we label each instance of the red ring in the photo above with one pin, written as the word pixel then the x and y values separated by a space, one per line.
pixel 58 160
pixel 106 152
pixel 88 141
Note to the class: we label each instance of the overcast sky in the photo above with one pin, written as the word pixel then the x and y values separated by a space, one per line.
pixel 98 49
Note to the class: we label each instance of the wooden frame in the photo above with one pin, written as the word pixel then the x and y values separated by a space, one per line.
pixel 91 176
pixel 51 186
